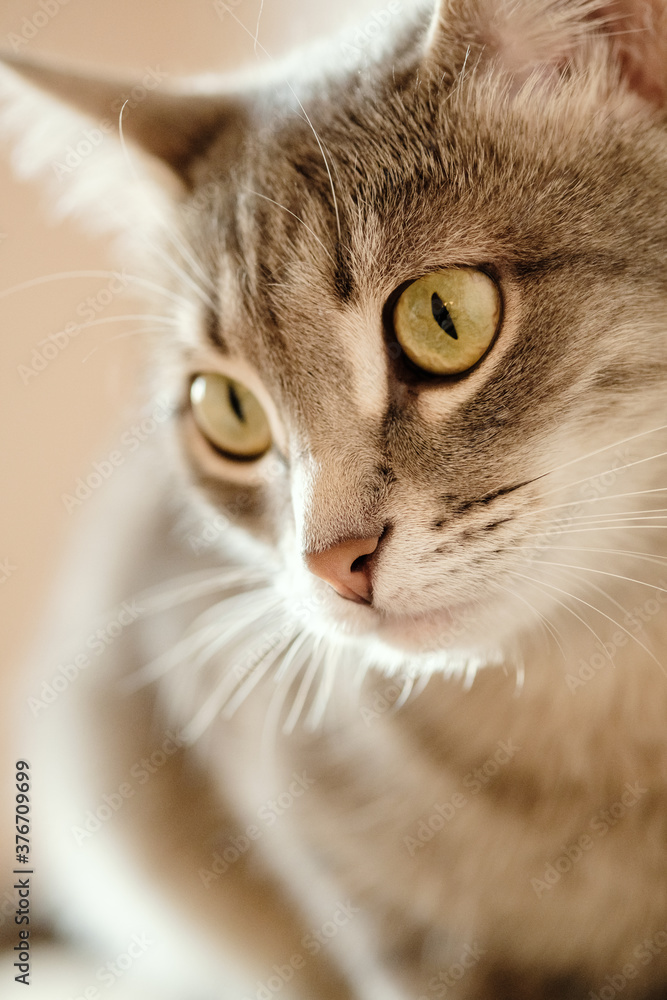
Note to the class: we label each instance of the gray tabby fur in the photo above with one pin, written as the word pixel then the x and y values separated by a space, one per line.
pixel 522 520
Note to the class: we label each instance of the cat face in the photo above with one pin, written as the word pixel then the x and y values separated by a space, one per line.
pixel 494 186
pixel 416 507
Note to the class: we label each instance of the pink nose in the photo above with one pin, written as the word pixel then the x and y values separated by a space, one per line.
pixel 344 567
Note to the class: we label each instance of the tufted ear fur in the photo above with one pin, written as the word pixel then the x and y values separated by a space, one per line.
pixel 546 36
pixel 66 123
pixel 639 40
pixel 174 126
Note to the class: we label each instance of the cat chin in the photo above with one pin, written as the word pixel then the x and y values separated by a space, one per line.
pixel 445 640
pixel 412 655
pixel 442 640
pixel 436 631
pixel 429 632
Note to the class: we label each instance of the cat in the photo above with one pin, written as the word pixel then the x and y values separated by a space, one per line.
pixel 371 695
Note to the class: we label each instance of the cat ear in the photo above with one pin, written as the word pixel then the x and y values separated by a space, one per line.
pixel 67 123
pixel 638 34
pixel 544 36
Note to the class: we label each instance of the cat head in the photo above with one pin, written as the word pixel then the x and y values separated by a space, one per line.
pixel 421 308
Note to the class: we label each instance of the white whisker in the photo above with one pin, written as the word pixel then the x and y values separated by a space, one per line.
pixel 406 691
pixel 606 447
pixel 595 475
pixel 520 674
pixel 259 671
pixel 171 235
pixel 307 119
pixel 469 674
pixel 604 615
pixel 46 279
pixel 122 336
pixel 565 530
pixel 289 669
pixel 257 194
pixel 257 600
pixel 614 552
pixel 190 586
pixel 207 626
pixel 599 590
pixel 332 659
pixel 166 662
pixel 643 512
pixel 565 607
pixel 603 498
pixel 542 618
pixel 616 518
pixel 232 690
pixel 421 684
pixel 259 18
pixel 602 572
pixel 304 689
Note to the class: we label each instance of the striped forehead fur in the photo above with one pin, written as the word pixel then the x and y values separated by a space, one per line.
pixel 404 162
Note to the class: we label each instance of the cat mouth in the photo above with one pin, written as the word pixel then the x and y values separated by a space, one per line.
pixel 325 613
pixel 426 632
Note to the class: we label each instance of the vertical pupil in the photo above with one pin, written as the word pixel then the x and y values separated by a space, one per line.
pixel 235 402
pixel 442 317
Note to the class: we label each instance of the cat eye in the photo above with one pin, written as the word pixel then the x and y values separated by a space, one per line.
pixel 445 322
pixel 230 416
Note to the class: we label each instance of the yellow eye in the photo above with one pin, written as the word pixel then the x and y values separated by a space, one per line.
pixel 446 321
pixel 230 416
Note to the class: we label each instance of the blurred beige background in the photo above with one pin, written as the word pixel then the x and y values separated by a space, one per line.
pixel 72 411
